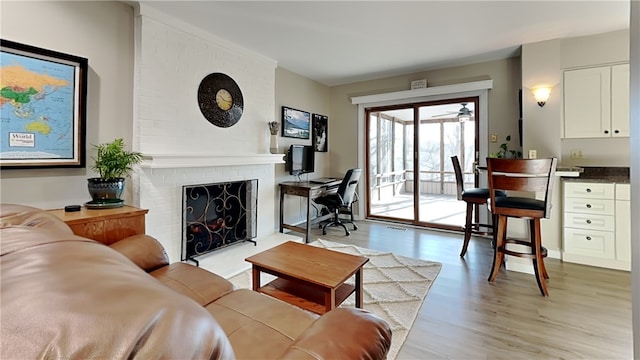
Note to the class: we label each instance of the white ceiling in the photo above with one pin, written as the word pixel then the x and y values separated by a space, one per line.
pixel 338 42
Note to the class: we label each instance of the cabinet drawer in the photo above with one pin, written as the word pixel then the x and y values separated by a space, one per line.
pixel 590 243
pixel 589 221
pixel 589 206
pixel 589 190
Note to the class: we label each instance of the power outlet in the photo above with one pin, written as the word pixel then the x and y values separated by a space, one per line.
pixel 494 138
pixel 576 154
pixel 533 154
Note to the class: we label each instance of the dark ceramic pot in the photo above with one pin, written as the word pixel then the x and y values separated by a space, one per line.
pixel 103 189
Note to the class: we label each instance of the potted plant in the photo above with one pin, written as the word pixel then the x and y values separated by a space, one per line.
pixel 505 152
pixel 113 163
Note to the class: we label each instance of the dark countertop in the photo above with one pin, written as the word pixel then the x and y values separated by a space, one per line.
pixel 602 175
pixel 562 168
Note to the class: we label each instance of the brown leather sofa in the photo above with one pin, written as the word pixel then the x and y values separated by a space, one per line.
pixel 68 297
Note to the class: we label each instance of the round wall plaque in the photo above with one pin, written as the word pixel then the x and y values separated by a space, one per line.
pixel 220 100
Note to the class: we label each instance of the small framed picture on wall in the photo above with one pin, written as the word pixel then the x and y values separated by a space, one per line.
pixel 295 123
pixel 320 133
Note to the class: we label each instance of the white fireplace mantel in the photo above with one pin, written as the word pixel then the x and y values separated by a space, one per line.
pixel 165 161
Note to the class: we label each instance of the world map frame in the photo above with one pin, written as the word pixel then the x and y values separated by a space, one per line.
pixel 43 107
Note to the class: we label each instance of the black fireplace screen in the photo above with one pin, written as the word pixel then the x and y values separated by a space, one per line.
pixel 218 215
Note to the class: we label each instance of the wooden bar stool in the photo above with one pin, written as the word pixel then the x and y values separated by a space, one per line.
pixel 528 175
pixel 473 197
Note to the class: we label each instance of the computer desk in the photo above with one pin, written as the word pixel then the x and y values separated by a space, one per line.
pixel 310 191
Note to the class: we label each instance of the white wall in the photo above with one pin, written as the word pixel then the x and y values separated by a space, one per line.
pixel 541 126
pixel 503 103
pixel 543 63
pixel 172 59
pixel 101 32
pixel 298 92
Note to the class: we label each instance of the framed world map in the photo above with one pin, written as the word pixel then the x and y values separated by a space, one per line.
pixel 42 107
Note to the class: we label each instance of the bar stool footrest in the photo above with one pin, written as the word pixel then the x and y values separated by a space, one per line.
pixel 519 253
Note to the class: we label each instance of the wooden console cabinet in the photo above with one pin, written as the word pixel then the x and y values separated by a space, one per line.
pixel 105 225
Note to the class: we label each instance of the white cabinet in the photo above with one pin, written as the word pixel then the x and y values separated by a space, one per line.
pixel 620 100
pixel 596 102
pixel 596 224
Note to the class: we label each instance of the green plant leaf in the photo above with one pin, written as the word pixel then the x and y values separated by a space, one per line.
pixel 113 161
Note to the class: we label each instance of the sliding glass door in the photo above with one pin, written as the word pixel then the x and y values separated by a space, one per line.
pixel 410 173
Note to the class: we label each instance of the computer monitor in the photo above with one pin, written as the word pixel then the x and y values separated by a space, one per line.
pixel 300 159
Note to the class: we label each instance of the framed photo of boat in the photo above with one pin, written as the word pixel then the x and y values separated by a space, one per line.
pixel 295 123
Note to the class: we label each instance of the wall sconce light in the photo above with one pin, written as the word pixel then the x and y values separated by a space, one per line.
pixel 541 94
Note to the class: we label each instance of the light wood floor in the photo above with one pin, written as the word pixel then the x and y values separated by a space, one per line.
pixel 586 316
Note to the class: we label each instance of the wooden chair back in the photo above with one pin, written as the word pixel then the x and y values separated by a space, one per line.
pixel 459 177
pixel 527 175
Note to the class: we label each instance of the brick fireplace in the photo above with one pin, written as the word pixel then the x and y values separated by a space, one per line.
pixel 161 190
pixel 180 146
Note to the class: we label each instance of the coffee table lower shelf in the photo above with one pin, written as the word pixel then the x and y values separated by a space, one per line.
pixel 304 295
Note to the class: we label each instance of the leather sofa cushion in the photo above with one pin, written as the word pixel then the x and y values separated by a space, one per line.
pixel 251 318
pixel 369 337
pixel 144 250
pixel 198 284
pixel 30 217
pixel 71 298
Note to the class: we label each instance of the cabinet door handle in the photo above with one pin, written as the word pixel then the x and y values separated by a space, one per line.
pixel 606 131
pixel 588 221
pixel 588 238
pixel 588 206
pixel 588 190
pixel 616 131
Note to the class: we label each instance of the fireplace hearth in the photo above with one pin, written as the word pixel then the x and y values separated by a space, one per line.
pixel 218 215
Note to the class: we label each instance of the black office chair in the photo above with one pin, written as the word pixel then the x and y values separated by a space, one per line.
pixel 341 200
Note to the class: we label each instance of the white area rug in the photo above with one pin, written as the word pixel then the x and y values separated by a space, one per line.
pixel 394 287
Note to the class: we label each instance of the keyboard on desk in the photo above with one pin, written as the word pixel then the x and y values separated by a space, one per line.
pixel 322 180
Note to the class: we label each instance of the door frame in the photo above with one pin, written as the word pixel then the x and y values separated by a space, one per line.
pixel 416 122
pixel 478 89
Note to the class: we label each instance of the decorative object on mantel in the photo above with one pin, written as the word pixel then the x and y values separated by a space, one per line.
pixel 505 152
pixel 274 126
pixel 320 133
pixel 220 100
pixel 113 163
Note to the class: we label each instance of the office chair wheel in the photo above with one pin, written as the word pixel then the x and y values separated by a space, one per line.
pixel 355 227
pixel 324 232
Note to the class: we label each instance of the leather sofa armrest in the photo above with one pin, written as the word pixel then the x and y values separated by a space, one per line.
pixel 343 333
pixel 144 250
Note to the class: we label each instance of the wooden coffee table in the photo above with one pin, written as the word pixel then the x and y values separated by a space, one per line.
pixel 310 277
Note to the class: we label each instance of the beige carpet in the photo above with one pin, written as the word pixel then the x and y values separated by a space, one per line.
pixel 394 287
